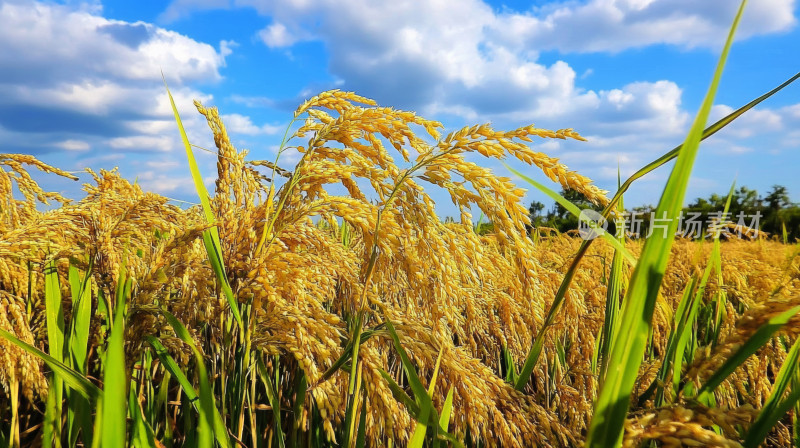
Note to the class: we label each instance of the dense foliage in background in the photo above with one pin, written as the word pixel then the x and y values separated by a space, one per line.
pixel 775 211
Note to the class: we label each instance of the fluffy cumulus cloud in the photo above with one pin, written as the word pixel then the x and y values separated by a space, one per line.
pixel 447 58
pixel 614 25
pixel 466 58
pixel 469 60
pixel 76 87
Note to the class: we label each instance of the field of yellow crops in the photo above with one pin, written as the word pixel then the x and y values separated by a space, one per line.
pixel 237 322
pixel 329 305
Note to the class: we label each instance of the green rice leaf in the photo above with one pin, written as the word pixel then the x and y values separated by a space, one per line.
pixel 572 208
pixel 301 384
pixel 611 406
pixel 272 395
pixel 756 341
pixel 142 432
pixel 172 367
pixel 652 166
pixel 399 394
pixel 536 348
pixel 447 411
pixel 776 406
pixel 427 411
pixel 54 313
pixel 210 421
pixel 71 378
pixel 210 236
pixel 115 375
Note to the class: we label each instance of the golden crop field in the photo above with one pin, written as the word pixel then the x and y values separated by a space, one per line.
pixel 279 313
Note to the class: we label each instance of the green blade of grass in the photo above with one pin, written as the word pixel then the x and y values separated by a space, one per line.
pixel 71 378
pixel 652 166
pixel 142 434
pixel 447 411
pixel 753 343
pixel 427 412
pixel 689 322
pixel 613 291
pixel 172 367
pixel 708 132
pixel 301 384
pixel 51 426
pixel 210 236
pixel 115 376
pixel 347 353
pixel 399 394
pixel 79 416
pixel 54 313
pixel 418 438
pixel 796 413
pixel 776 407
pixel 361 436
pixel 272 395
pixel 572 208
pixel 611 406
pixel 536 348
pixel 669 358
pixel 210 422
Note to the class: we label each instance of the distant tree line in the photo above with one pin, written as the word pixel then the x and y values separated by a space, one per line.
pixel 771 213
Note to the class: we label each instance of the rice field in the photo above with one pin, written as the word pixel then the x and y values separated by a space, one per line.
pixel 329 304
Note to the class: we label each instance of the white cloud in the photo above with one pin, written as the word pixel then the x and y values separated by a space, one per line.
pixel 179 9
pixel 71 75
pixel 78 89
pixel 242 124
pixel 615 25
pixel 276 36
pixel 143 143
pixel 158 181
pixel 42 36
pixel 73 145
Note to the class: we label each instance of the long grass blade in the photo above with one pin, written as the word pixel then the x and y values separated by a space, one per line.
pixel 776 406
pixel 54 312
pixel 611 406
pixel 79 417
pixel 536 348
pixel 71 378
pixel 399 394
pixel 753 343
pixel 272 395
pixel 447 411
pixel 210 236
pixel 652 166
pixel 115 376
pixel 613 291
pixel 427 411
pixel 210 422
pixel 172 367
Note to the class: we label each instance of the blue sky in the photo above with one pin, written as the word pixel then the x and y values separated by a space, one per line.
pixel 80 82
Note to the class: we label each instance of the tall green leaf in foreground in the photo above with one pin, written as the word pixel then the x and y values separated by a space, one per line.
pixel 54 314
pixel 115 377
pixel 533 354
pixel 776 406
pixel 210 236
pixel 611 407
pixel 619 248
